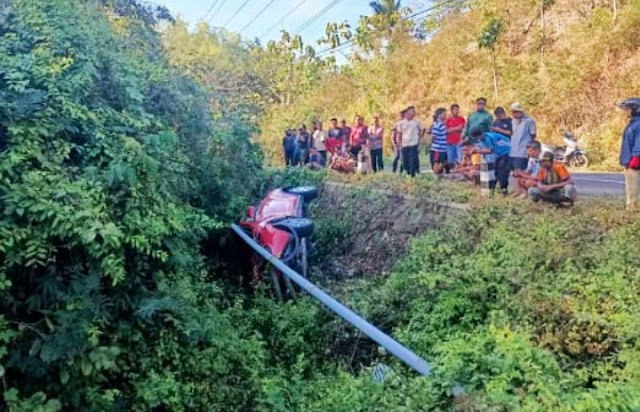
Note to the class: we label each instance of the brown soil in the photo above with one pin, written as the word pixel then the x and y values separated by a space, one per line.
pixel 381 231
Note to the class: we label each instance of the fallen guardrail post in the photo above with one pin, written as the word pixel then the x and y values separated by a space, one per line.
pixel 384 340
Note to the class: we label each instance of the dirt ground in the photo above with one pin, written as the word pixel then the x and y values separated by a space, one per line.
pixel 381 225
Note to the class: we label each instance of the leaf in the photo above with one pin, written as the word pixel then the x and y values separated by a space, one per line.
pixel 86 367
pixel 64 376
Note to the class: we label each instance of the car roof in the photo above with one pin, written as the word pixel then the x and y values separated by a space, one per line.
pixel 278 203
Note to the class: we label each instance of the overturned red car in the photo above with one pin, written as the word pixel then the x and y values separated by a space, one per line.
pixel 281 224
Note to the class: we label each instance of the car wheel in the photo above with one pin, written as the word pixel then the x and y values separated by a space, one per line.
pixel 302 226
pixel 307 192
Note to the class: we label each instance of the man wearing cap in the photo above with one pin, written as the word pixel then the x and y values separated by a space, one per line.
pixel 630 152
pixel 480 119
pixel 555 185
pixel 524 132
pixel 410 131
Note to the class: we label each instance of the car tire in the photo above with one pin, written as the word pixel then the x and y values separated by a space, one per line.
pixel 302 226
pixel 307 192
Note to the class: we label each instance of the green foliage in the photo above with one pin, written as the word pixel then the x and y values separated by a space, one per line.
pixel 525 309
pixel 490 33
pixel 330 236
pixel 107 157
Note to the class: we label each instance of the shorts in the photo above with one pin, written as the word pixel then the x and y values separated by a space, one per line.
pixel 454 153
pixel 437 157
pixel 518 163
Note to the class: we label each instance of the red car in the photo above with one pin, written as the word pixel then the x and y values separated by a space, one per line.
pixel 281 225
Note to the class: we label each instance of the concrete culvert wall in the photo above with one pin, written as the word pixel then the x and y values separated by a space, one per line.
pixel 362 232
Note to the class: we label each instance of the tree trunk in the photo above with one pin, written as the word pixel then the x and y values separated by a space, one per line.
pixel 542 24
pixel 495 74
pixel 615 11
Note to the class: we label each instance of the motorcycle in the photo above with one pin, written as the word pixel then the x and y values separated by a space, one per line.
pixel 571 153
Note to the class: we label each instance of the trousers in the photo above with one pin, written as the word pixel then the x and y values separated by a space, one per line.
pixel 631 186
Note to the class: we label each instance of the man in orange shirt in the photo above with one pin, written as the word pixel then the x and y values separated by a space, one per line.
pixel 555 184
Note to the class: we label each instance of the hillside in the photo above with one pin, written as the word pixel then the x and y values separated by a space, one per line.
pixel 570 77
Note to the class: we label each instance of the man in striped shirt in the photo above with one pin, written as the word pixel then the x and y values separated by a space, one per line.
pixel 438 153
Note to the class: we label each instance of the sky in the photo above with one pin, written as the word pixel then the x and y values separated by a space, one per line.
pixel 194 10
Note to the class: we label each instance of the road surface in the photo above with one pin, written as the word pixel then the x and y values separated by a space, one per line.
pixel 599 184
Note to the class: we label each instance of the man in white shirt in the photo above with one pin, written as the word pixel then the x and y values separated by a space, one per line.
pixel 376 142
pixel 319 138
pixel 410 131
pixel 524 132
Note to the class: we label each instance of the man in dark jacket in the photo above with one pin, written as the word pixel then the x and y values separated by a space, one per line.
pixel 630 152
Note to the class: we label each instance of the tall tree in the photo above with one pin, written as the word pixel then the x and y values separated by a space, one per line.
pixel 488 39
pixel 386 7
pixel 386 13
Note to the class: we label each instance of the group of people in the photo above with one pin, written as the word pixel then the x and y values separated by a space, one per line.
pixel 343 148
pixel 482 149
pixel 485 150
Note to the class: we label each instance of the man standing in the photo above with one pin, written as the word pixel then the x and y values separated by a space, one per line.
pixel 438 152
pixel 335 132
pixel 502 124
pixel 376 134
pixel 319 140
pixel 455 125
pixel 524 132
pixel 480 119
pixel 630 152
pixel 346 131
pixel 289 147
pixel 358 136
pixel 410 131
pixel 304 141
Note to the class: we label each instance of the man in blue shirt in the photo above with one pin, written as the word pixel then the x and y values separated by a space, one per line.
pixel 630 152
pixel 289 146
pixel 497 152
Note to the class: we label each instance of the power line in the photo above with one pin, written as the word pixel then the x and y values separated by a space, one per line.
pixel 258 14
pixel 209 11
pixel 279 22
pixel 236 13
pixel 408 18
pixel 315 18
pixel 217 10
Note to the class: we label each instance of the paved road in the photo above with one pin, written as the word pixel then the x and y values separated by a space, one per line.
pixel 600 184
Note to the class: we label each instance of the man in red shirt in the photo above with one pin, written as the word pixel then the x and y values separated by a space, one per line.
pixel 455 125
pixel 359 136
